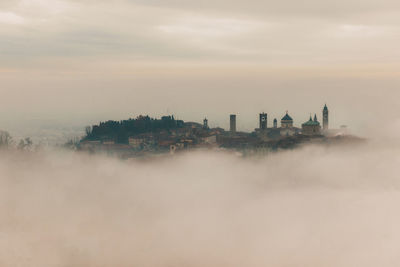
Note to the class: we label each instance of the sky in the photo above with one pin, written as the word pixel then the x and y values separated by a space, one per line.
pixel 70 63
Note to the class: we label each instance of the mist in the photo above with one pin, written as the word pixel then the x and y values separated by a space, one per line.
pixel 312 206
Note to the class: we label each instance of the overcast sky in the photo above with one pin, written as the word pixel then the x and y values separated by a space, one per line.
pixel 75 62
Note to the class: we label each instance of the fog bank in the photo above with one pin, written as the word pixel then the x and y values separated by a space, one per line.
pixel 315 206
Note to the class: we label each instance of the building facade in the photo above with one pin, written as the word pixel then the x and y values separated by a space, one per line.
pixel 311 127
pixel 287 121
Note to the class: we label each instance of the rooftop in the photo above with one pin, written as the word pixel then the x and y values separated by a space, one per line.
pixel 310 122
pixel 287 117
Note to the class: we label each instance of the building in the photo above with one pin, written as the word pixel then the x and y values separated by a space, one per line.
pixel 311 127
pixel 205 123
pixel 286 121
pixel 263 121
pixel 108 142
pixel 211 140
pixel 136 142
pixel 90 145
pixel 325 119
pixel 233 123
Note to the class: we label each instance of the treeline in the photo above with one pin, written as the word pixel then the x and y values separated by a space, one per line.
pixel 7 142
pixel 120 131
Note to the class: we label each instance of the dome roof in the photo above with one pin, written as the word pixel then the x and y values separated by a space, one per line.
pixel 287 118
pixel 310 122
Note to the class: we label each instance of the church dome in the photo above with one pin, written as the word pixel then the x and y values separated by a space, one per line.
pixel 287 118
pixel 310 122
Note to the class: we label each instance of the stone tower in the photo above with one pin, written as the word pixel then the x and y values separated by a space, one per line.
pixel 205 123
pixel 325 118
pixel 233 123
pixel 263 121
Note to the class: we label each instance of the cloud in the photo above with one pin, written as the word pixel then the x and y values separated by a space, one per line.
pixel 11 18
pixel 307 8
pixel 176 30
pixel 322 205
pixel 208 33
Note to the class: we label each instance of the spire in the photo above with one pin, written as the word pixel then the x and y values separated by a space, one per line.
pixel 315 117
pixel 325 107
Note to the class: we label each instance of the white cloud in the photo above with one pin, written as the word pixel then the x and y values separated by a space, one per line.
pixel 11 18
pixel 359 31
pixel 212 33
pixel 209 27
pixel 45 6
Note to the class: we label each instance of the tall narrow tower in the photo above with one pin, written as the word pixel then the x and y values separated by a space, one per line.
pixel 205 123
pixel 233 123
pixel 275 123
pixel 263 121
pixel 325 120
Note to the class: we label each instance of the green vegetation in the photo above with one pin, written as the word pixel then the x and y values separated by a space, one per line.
pixel 120 131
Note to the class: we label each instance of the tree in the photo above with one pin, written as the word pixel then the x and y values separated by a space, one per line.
pixel 88 130
pixel 28 142
pixel 72 143
pixel 25 144
pixel 21 145
pixel 5 139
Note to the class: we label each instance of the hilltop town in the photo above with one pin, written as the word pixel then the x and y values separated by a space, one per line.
pixel 147 136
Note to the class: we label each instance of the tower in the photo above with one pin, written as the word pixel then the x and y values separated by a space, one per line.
pixel 325 118
pixel 275 123
pixel 263 121
pixel 205 123
pixel 233 123
pixel 287 121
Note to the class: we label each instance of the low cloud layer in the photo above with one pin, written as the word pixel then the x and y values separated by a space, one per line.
pixel 330 206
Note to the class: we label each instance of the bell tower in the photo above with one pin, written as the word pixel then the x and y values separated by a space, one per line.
pixel 325 120
pixel 263 121
pixel 205 123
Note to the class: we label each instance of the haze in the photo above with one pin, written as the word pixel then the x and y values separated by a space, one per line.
pixel 315 206
pixel 74 63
